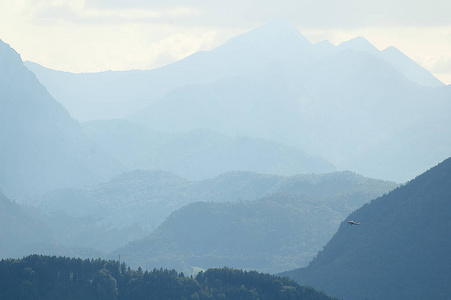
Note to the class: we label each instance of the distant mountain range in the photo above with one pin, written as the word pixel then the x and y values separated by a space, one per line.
pixel 41 146
pixel 117 94
pixel 362 109
pixel 401 250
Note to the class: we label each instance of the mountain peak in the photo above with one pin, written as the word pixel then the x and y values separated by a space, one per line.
pixel 359 44
pixel 278 31
pixel 281 27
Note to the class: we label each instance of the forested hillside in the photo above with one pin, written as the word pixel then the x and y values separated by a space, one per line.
pixel 272 234
pixel 401 250
pixel 282 230
pixel 46 277
pixel 130 206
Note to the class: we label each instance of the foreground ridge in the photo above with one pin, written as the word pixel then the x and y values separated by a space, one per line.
pixel 51 277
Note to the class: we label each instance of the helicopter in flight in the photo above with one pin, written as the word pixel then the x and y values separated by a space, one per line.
pixel 353 223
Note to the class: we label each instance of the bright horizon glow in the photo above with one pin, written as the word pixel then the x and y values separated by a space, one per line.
pixel 97 35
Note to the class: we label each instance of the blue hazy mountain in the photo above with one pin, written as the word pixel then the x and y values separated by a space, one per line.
pixel 341 108
pixel 401 250
pixel 198 154
pixel 41 146
pixel 108 95
pixel 133 204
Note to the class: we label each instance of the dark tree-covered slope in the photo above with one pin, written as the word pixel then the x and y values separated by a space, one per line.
pixel 45 277
pixel 41 146
pixel 402 249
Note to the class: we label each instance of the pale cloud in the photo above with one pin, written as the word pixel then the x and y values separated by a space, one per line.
pixel 325 14
pixel 183 12
pixel 80 12
pixel 442 64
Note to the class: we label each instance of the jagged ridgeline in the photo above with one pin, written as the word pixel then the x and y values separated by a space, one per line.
pixel 373 112
pixel 51 277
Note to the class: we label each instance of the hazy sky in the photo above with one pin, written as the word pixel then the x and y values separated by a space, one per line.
pixel 97 35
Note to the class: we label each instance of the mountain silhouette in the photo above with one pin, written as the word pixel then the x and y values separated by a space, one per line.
pixel 350 104
pixel 276 43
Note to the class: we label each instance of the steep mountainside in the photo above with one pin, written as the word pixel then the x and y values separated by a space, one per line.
pixel 135 203
pixel 198 154
pixel 41 146
pixel 401 250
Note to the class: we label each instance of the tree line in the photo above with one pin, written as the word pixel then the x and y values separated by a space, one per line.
pixel 51 277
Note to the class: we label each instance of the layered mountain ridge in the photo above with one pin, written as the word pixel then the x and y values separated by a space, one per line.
pixel 350 104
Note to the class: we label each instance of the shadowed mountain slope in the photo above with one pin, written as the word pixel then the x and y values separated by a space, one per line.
pixel 401 250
